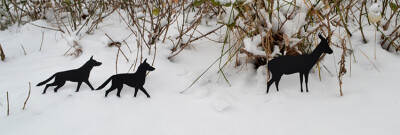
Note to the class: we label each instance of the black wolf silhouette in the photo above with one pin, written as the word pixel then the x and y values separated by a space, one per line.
pixel 297 64
pixel 76 75
pixel 135 80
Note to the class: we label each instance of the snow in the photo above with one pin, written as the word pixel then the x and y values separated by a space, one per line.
pixel 140 15
pixel 370 105
pixel 276 51
pixel 229 16
pixel 251 45
pixel 224 2
pixel 248 2
pixel 374 8
pixel 374 13
pixel 222 103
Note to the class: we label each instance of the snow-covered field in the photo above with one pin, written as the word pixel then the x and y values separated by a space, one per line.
pixel 370 105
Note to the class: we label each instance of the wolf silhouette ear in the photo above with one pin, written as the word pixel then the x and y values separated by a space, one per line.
pixel 145 60
pixel 91 57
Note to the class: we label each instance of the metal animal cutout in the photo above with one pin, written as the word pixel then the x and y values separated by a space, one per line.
pixel 76 75
pixel 297 64
pixel 135 80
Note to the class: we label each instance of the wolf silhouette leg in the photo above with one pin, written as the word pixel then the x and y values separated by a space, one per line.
pixel 90 85
pixel 119 90
pixel 47 86
pixel 136 90
pixel 145 92
pixel 112 88
pixel 59 85
pixel 79 85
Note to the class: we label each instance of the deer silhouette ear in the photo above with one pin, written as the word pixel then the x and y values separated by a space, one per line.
pixel 321 37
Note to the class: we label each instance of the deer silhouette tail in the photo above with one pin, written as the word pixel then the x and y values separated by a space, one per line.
pixel 105 83
pixel 45 81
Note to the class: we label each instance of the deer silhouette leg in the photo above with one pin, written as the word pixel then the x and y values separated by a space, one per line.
pixel 306 77
pixel 119 91
pixel 270 82
pixel 301 82
pixel 59 86
pixel 145 92
pixel 111 89
pixel 79 85
pixel 278 78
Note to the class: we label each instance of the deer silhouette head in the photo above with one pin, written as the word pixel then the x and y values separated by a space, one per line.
pixel 324 44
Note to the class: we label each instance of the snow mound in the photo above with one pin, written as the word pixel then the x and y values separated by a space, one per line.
pixel 251 45
pixel 223 103
pixel 201 93
pixel 374 13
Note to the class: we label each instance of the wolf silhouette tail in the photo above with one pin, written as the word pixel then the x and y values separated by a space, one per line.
pixel 45 81
pixel 105 83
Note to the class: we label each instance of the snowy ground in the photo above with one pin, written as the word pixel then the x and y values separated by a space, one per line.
pixel 370 105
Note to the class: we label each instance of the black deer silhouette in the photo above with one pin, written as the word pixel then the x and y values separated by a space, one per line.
pixel 136 80
pixel 297 64
pixel 77 75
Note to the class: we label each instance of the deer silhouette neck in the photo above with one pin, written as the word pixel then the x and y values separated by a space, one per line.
pixel 317 52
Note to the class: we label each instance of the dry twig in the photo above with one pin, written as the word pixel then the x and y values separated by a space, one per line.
pixel 29 94
pixel 23 49
pixel 2 55
pixel 8 105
